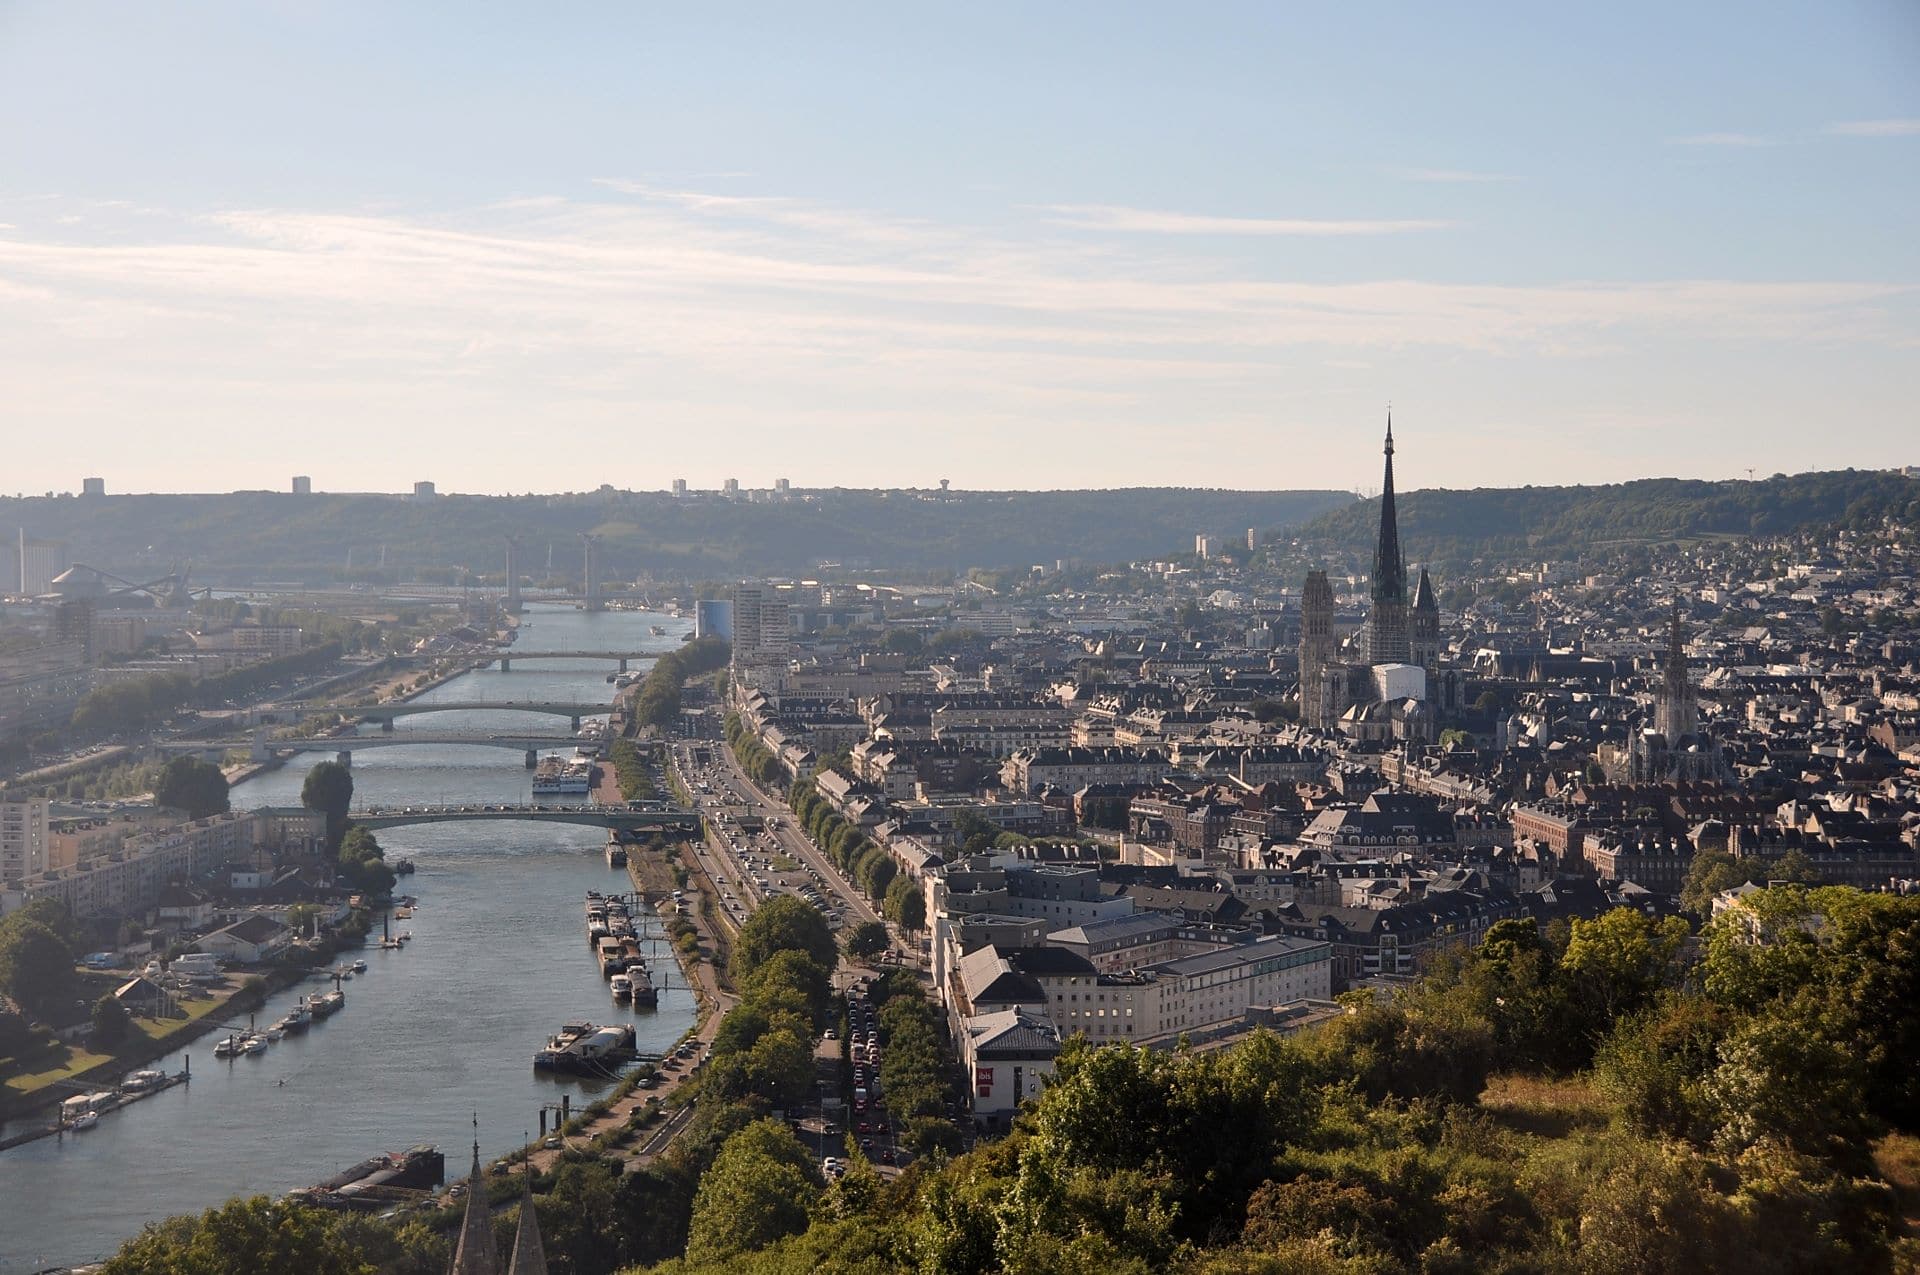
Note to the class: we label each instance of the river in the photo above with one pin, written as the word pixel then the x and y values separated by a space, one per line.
pixel 431 1034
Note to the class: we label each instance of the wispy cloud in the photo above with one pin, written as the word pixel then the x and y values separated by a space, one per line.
pixel 1452 176
pixel 1876 128
pixel 745 310
pixel 1723 139
pixel 1158 222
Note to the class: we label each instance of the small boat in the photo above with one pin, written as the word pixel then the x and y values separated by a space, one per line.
pixel 253 1046
pixel 275 1032
pixel 403 913
pixel 329 1003
pixel 622 987
pixel 359 967
pixel 226 1048
pixel 85 1120
pixel 657 630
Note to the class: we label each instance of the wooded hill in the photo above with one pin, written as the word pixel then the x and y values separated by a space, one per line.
pixel 1438 525
pixel 245 536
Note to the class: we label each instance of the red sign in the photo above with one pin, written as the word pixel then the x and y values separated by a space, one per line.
pixel 983 1080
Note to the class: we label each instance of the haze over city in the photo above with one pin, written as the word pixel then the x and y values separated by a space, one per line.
pixel 1073 246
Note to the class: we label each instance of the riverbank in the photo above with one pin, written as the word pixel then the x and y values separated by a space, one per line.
pixel 631 1111
pixel 22 1097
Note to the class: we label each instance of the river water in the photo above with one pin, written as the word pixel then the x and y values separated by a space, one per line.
pixel 431 1035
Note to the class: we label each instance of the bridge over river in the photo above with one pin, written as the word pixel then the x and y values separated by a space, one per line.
pixel 263 748
pixel 626 818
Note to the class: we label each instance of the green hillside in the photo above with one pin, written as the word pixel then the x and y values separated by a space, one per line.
pixel 1441 525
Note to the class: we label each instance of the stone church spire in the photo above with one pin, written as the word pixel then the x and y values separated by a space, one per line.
pixel 475 1253
pixel 1389 567
pixel 529 1255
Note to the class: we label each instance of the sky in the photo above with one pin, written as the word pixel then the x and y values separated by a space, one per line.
pixel 519 247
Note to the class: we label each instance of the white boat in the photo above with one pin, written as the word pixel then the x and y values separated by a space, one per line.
pixel 141 1081
pixel 622 987
pixel 86 1120
pixel 359 967
pixel 254 1046
pixel 275 1032
pixel 226 1048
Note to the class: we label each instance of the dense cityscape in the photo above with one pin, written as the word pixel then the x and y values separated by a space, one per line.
pixel 1277 903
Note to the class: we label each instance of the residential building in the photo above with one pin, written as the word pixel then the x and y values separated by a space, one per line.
pixel 25 837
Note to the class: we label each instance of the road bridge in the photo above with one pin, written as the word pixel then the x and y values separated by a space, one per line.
pixel 261 748
pixel 622 817
pixel 387 713
pixel 507 658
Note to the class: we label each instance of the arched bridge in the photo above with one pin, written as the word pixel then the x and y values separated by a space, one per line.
pixel 387 714
pixel 263 749
pixel 622 817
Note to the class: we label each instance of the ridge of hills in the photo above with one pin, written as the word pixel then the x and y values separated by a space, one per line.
pixel 277 535
pixel 1446 525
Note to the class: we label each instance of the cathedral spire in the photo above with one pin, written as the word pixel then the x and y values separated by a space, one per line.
pixel 529 1255
pixel 475 1253
pixel 1389 567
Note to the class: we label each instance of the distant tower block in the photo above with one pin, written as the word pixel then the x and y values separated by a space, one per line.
pixel 780 487
pixel 302 485
pixel 513 606
pixel 93 486
pixel 680 488
pixel 1206 546
pixel 1253 538
pixel 731 487
pixel 424 491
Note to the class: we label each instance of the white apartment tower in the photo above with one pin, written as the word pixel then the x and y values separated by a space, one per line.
pixel 24 838
pixel 761 627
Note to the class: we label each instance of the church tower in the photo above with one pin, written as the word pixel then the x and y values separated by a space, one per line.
pixel 529 1255
pixel 1676 708
pixel 475 1253
pixel 1316 650
pixel 1423 626
pixel 1386 634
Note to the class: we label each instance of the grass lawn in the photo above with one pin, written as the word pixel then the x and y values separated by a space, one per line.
pixel 76 1061
pixel 158 1027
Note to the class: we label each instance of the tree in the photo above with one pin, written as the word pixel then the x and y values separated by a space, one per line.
pixel 36 970
pixel 241 1238
pixel 759 1189
pixel 110 1023
pixel 869 938
pixel 783 924
pixel 192 785
pixel 906 906
pixel 1710 872
pixel 1616 962
pixel 364 863
pixel 791 976
pixel 329 790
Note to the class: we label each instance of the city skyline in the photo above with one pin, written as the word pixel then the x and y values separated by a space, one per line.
pixel 1078 248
